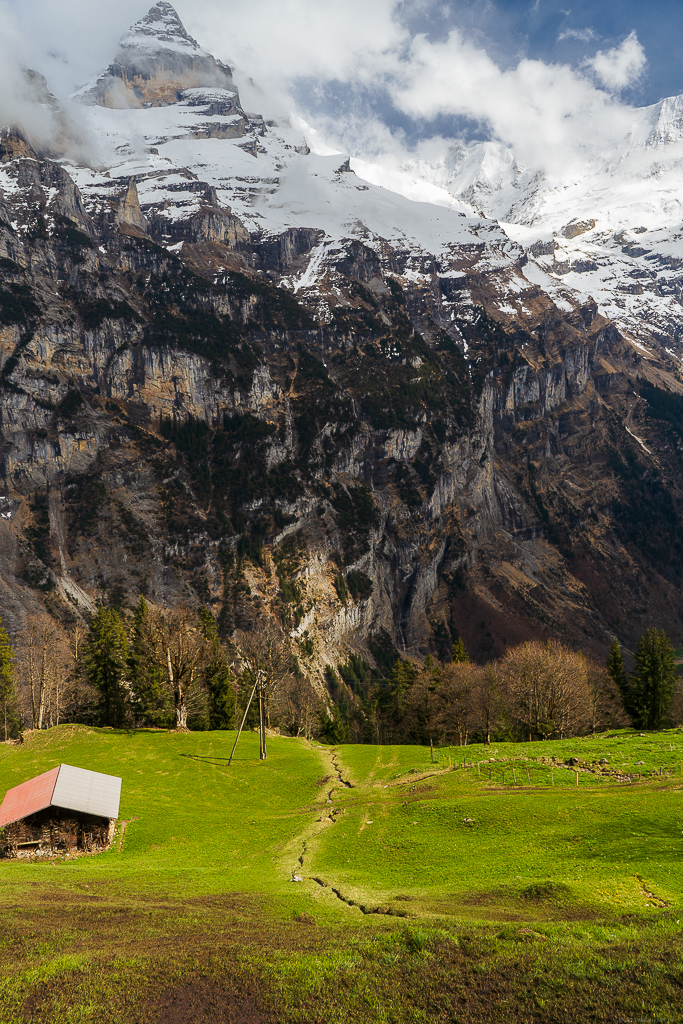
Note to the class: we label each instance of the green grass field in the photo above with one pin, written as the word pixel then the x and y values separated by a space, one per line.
pixel 430 889
pixel 194 826
pixel 462 845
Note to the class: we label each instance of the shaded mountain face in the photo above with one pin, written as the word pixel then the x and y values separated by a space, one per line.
pixel 233 372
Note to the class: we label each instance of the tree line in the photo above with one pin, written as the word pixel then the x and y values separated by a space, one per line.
pixel 171 669
pixel 153 668
pixel 536 691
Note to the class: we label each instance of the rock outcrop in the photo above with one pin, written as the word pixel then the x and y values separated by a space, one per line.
pixel 156 62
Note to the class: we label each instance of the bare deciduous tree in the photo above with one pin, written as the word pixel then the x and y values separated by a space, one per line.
pixel 75 638
pixel 488 699
pixel 43 668
pixel 455 704
pixel 421 702
pixel 176 640
pixel 297 705
pixel 677 703
pixel 266 661
pixel 604 708
pixel 547 688
pixel 78 696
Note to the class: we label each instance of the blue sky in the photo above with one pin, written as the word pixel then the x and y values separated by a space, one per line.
pixel 509 31
pixel 567 31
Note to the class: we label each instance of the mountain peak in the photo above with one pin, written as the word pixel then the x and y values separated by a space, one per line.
pixel 157 61
pixel 160 30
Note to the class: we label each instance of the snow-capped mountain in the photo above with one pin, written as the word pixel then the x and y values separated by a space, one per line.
pixel 154 127
pixel 612 231
pixel 156 60
pixel 217 347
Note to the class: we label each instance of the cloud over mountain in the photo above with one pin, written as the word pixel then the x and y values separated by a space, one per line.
pixel 621 66
pixel 362 75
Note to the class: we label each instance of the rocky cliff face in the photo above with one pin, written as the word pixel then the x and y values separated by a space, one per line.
pixel 368 421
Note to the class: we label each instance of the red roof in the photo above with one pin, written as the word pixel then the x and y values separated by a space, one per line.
pixel 66 787
pixel 28 798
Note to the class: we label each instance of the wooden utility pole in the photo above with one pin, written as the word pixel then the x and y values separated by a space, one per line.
pixel 260 686
pixel 262 719
pixel 239 731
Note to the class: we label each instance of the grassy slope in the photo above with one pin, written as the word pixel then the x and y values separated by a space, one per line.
pixel 531 913
pixel 195 825
pixel 459 844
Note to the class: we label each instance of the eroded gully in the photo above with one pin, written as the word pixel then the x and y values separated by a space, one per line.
pixel 331 818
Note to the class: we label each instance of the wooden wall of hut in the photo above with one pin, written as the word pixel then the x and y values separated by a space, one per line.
pixel 51 833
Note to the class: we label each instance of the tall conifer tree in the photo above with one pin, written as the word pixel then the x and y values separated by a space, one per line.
pixel 460 653
pixel 149 695
pixel 9 717
pixel 651 687
pixel 105 660
pixel 218 676
pixel 616 670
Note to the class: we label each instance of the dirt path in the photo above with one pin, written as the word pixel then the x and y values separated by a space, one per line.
pixel 297 856
pixel 293 861
pixel 323 823
pixel 124 826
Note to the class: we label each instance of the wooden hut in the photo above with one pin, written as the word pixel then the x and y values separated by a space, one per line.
pixel 62 811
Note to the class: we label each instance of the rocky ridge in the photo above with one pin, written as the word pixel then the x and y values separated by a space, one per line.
pixel 234 372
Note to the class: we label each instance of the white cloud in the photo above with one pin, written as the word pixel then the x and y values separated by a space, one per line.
pixel 278 41
pixel 621 66
pixel 584 35
pixel 71 40
pixel 16 107
pixel 548 113
pixel 545 112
